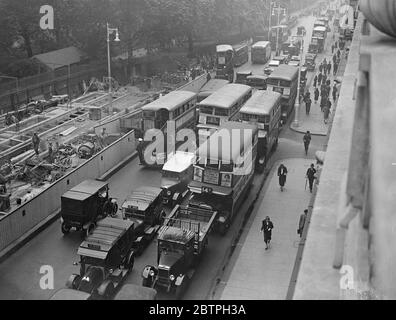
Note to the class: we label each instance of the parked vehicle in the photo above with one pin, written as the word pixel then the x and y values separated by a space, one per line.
pixel 106 258
pixel 133 292
pixel 144 208
pixel 83 205
pixel 176 175
pixel 181 241
pixel 241 76
pixel 261 52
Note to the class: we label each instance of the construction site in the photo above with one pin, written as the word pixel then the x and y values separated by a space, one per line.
pixel 69 132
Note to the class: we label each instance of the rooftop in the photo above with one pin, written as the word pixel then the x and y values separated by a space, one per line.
pixel 60 58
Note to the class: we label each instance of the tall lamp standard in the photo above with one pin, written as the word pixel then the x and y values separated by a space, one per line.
pixel 296 122
pixel 117 39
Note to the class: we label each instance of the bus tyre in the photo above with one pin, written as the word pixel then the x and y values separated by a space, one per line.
pixel 65 228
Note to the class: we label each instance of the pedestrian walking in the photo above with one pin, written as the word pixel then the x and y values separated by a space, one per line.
pixel 335 69
pixel 307 140
pixel 50 153
pixel 326 113
pixel 316 93
pixel 208 77
pixel 334 92
pixel 266 228
pixel 308 103
pixel 301 222
pixel 329 104
pixel 332 48
pixel 320 68
pixel 140 151
pixel 282 173
pixel 320 76
pixel 311 175
pixel 315 80
pixel 16 121
pixel 329 67
pixel 324 79
pixel 36 143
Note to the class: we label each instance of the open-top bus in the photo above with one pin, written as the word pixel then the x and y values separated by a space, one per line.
pixel 261 52
pixel 284 80
pixel 224 170
pixel 264 110
pixel 220 107
pixel 177 106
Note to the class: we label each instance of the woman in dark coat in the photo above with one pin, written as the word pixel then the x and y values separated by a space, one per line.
pixel 266 228
pixel 282 172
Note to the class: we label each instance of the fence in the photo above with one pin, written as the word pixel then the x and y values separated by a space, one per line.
pixel 24 218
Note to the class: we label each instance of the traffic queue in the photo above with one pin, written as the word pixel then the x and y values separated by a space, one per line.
pixel 200 192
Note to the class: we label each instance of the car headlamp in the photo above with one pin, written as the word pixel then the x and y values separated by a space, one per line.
pixel 169 193
pixel 152 273
pixel 171 277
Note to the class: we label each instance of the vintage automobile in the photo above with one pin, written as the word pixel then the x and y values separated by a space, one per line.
pixel 310 63
pixel 271 66
pixel 106 258
pixel 144 208
pixel 181 242
pixel 70 294
pixel 241 76
pixel 294 61
pixel 313 48
pixel 83 205
pixel 283 58
pixel 257 81
pixel 177 173
pixel 133 292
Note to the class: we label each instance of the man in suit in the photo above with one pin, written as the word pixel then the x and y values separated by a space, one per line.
pixel 301 223
pixel 266 228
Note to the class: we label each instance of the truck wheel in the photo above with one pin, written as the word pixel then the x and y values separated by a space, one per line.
pixel 130 261
pixel 106 290
pixel 89 229
pixel 65 228
pixel 73 282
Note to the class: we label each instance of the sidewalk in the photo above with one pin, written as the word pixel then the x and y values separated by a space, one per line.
pixel 314 122
pixel 265 275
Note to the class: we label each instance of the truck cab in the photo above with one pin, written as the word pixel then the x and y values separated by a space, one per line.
pixel 176 175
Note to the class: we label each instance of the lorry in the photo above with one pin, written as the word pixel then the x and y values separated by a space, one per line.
pixel 106 258
pixel 176 175
pixel 83 205
pixel 181 242
pixel 144 208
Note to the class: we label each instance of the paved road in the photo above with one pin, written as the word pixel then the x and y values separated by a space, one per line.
pixel 20 274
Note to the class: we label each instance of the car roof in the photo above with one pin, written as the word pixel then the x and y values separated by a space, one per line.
pixel 257 76
pixel 261 102
pixel 244 72
pixel 260 44
pixel 224 47
pixel 179 161
pixel 70 294
pixel 320 28
pixel 106 234
pixel 274 62
pixel 284 72
pixel 131 291
pixel 89 186
pixel 142 197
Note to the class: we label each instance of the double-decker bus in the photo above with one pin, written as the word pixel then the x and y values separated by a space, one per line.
pixel 223 172
pixel 264 110
pixel 241 54
pixel 224 62
pixel 211 87
pixel 284 80
pixel 177 106
pixel 278 32
pixel 261 52
pixel 220 107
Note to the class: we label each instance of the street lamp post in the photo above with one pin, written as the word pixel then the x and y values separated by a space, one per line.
pixel 296 122
pixel 110 31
